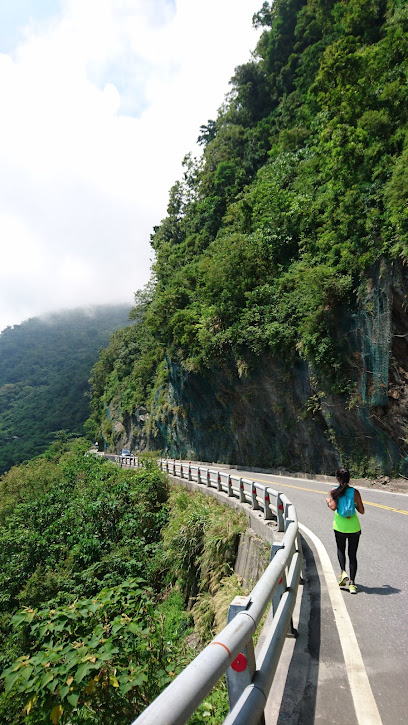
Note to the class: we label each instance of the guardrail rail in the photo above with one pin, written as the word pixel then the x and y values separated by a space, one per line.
pixel 231 652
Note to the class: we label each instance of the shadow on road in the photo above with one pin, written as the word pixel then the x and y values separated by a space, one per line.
pixel 298 705
pixel 385 589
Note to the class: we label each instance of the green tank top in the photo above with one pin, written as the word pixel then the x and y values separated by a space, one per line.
pixel 346 526
pixel 349 525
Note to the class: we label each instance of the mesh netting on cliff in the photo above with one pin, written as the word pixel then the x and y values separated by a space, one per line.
pixel 373 322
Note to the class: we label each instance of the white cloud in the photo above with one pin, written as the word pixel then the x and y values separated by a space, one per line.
pixel 99 106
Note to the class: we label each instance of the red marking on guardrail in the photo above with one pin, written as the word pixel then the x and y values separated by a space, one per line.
pixel 280 507
pixel 240 663
pixel 280 580
pixel 267 498
pixel 242 486
pixel 222 645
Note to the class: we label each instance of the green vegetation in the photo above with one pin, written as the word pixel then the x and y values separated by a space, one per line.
pixel 45 366
pixel 98 565
pixel 300 194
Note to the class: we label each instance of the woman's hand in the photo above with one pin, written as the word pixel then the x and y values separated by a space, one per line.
pixel 331 503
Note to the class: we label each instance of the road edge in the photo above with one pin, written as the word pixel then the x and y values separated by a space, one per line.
pixel 367 712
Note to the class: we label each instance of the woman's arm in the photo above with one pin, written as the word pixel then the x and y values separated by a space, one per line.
pixel 358 501
pixel 332 504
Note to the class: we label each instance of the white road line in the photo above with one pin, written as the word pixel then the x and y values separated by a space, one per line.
pixel 362 694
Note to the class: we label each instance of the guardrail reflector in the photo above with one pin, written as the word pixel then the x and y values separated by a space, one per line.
pixel 240 663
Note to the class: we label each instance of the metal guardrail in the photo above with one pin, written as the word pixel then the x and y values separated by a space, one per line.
pixel 231 652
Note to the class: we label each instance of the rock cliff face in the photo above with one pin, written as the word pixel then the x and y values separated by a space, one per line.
pixel 282 415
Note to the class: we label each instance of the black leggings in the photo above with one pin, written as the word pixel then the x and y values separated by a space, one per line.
pixel 353 541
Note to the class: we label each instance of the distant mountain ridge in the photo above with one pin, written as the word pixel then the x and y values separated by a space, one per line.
pixel 45 365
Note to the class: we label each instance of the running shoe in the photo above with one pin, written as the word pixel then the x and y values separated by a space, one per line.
pixel 343 579
pixel 353 589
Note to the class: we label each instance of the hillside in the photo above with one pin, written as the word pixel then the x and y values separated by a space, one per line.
pixel 45 366
pixel 97 567
pixel 274 331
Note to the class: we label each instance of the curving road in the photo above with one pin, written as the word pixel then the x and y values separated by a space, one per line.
pixel 379 613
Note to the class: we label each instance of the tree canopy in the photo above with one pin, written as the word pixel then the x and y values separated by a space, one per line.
pixel 300 193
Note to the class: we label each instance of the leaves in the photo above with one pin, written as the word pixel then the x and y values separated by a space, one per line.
pixel 56 713
pixel 91 669
pixel 91 527
pixel 30 704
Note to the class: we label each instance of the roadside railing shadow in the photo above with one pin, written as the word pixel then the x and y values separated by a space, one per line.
pixel 298 704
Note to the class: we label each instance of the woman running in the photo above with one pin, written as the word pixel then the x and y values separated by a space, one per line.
pixel 344 500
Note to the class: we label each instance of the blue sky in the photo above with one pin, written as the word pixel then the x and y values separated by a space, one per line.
pixel 101 100
pixel 15 15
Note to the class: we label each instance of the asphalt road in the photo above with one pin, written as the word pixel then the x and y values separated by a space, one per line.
pixel 379 612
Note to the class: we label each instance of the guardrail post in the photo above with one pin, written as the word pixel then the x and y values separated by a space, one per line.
pixel 181 471
pixel 208 479
pixel 229 486
pixel 255 504
pixel 198 475
pixel 276 596
pixel 242 498
pixel 267 507
pixel 190 478
pixel 279 512
pixel 174 467
pixel 280 589
pixel 241 671
pixel 219 484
